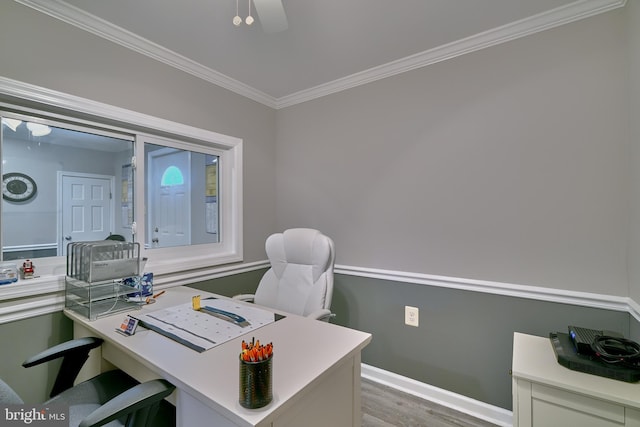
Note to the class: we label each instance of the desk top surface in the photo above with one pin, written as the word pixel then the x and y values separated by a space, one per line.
pixel 304 349
pixel 534 360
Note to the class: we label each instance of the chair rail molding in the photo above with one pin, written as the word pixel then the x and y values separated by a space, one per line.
pixel 562 296
pixel 17 300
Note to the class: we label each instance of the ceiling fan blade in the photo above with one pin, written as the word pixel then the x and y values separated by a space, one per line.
pixel 271 14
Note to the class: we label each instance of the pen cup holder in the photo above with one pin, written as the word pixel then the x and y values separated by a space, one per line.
pixel 256 383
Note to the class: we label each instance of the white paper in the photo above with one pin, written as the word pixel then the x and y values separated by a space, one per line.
pixel 202 331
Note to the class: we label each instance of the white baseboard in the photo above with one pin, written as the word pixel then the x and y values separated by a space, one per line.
pixel 458 402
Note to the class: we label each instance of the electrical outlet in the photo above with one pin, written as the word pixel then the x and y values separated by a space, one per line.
pixel 411 315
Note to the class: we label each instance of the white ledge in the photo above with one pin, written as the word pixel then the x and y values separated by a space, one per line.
pixel 32 287
pixel 43 295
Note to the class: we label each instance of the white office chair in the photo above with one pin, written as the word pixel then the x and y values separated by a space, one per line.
pixel 300 280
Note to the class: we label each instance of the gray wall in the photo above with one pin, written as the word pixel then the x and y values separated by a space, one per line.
pixel 633 37
pixel 245 283
pixel 509 164
pixel 25 338
pixel 464 341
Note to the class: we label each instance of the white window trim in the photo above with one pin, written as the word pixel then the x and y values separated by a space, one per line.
pixel 180 267
pixel 162 261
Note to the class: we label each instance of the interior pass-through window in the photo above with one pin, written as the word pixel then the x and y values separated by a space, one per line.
pixel 68 180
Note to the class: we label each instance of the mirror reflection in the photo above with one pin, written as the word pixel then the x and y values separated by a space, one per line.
pixel 68 183
pixel 62 185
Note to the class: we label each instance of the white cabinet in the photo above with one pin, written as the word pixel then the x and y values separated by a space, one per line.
pixel 546 394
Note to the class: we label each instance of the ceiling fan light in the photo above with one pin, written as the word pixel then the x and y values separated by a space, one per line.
pixel 38 129
pixel 249 19
pixel 11 123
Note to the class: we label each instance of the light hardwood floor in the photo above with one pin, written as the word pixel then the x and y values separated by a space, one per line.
pixel 383 406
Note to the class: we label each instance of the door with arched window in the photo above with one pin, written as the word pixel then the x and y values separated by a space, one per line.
pixel 169 198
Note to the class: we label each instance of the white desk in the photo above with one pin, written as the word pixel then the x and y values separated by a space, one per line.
pixel 546 393
pixel 316 369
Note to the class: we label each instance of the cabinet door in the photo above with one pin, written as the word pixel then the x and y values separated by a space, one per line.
pixel 554 407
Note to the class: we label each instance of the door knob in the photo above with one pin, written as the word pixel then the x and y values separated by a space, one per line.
pixel 67 237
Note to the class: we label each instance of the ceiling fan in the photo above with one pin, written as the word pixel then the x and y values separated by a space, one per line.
pixel 270 12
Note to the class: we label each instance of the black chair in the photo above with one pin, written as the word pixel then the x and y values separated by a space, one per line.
pixel 117 237
pixel 110 397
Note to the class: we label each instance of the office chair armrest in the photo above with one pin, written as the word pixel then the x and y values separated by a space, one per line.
pixel 322 314
pixel 77 346
pixel 74 354
pixel 245 297
pixel 144 399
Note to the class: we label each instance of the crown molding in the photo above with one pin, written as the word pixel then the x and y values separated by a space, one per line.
pixel 575 11
pixel 101 28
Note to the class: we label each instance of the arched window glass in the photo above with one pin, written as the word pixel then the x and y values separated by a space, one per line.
pixel 172 176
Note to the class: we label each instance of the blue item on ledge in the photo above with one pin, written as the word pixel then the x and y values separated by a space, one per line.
pixel 8 274
pixel 143 285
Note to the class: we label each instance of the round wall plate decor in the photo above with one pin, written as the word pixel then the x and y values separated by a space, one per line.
pixel 18 187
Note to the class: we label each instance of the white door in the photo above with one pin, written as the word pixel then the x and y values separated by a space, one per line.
pixel 86 209
pixel 170 204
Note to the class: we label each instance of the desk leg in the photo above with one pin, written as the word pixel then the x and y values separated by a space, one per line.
pixel 191 412
pixel 357 390
pixel 332 400
pixel 95 364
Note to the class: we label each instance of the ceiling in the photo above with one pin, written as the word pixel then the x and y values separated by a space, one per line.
pixel 61 136
pixel 330 45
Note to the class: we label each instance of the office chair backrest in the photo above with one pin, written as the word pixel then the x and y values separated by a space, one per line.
pixel 117 237
pixel 300 279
